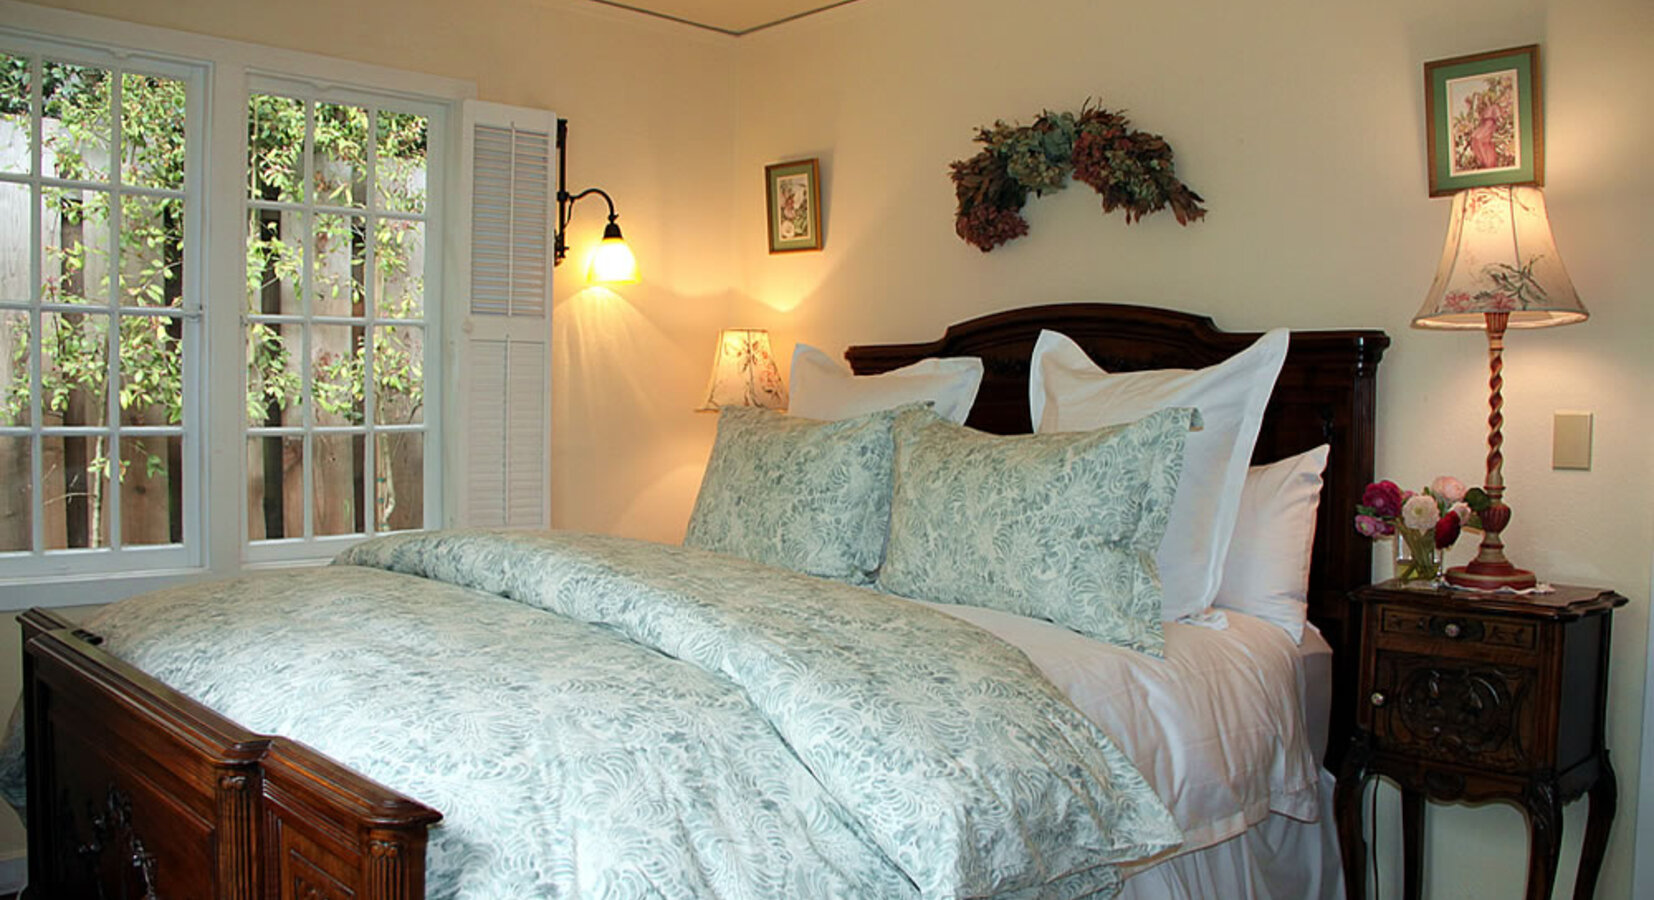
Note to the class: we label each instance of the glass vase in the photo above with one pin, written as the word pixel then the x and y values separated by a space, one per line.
pixel 1417 556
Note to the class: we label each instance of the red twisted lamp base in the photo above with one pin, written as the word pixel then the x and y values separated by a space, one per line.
pixel 1490 570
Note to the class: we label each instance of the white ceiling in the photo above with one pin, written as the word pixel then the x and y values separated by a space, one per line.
pixel 736 17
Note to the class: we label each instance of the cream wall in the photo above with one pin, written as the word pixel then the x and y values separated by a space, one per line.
pixel 1300 121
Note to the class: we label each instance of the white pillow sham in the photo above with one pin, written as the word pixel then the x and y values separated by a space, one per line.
pixel 1069 392
pixel 823 389
pixel 1267 572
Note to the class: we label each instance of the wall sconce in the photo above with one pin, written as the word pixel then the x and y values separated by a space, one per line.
pixel 612 262
pixel 744 372
pixel 1499 269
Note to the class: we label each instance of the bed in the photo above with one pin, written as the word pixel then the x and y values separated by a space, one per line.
pixel 132 785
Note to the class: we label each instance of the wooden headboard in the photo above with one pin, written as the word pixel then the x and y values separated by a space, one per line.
pixel 1325 394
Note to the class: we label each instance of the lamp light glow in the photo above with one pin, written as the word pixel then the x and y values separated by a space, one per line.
pixel 612 262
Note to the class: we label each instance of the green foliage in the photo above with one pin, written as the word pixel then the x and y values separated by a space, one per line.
pixel 1131 170
pixel 146 265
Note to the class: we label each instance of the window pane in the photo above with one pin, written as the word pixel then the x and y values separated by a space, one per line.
pixel 341 162
pixel 275 141
pixel 337 483
pixel 74 368
pixel 336 373
pixel 16 496
pixel 77 125
pixel 14 367
pixel 152 370
pixel 15 136
pixel 337 280
pixel 399 482
pixel 152 251
pixel 74 248
pixel 152 131
pixel 76 470
pixel 398 374
pixel 273 374
pixel 399 269
pixel 275 262
pixel 152 490
pixel 16 211
pixel 400 168
pixel 275 487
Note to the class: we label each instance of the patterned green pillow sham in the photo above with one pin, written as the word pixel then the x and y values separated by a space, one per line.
pixel 1061 527
pixel 798 493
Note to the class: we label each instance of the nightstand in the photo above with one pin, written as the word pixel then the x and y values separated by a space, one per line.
pixel 1477 697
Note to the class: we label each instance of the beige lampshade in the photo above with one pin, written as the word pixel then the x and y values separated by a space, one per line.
pixel 1500 257
pixel 744 372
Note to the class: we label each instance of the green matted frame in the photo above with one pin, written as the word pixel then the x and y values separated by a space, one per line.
pixel 1486 121
pixel 792 192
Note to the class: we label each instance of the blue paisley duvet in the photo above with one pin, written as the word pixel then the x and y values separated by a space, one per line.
pixel 599 717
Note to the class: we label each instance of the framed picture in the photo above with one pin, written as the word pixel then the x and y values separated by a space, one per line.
pixel 1486 120
pixel 794 192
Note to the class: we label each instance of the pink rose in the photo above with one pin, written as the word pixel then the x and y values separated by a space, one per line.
pixel 1449 488
pixel 1384 498
pixel 1447 530
pixel 1371 527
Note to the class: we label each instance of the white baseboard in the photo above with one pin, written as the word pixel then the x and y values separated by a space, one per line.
pixel 14 873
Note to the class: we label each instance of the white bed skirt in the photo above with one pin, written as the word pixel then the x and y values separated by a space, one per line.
pixel 1278 859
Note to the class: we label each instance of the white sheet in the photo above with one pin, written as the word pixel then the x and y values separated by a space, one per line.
pixel 1217 727
pixel 1278 859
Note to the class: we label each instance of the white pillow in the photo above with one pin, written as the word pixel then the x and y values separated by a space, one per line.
pixel 823 389
pixel 1069 392
pixel 1267 573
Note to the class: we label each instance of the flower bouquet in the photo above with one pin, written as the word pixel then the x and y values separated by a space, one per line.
pixel 1424 523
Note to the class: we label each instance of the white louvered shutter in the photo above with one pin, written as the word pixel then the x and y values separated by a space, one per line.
pixel 503 345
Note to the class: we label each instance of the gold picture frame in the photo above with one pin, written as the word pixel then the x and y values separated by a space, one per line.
pixel 793 195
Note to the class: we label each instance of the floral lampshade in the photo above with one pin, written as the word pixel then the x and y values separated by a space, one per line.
pixel 744 372
pixel 1500 257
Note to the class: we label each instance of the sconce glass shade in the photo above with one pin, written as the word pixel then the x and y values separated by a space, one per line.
pixel 744 372
pixel 1500 258
pixel 612 261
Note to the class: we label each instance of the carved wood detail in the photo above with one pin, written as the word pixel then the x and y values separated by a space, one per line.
pixel 1460 713
pixel 112 849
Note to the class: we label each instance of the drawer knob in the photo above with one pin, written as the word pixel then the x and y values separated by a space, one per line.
pixel 1377 698
pixel 1452 630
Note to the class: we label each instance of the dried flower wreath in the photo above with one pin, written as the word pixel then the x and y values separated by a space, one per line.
pixel 1130 169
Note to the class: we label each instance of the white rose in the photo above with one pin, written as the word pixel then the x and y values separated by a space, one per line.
pixel 1420 512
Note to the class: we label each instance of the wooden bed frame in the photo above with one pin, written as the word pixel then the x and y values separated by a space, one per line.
pixel 138 791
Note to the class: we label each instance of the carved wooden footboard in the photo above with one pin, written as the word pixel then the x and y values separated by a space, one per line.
pixel 137 791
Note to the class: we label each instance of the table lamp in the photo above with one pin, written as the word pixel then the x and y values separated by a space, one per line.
pixel 744 372
pixel 1499 270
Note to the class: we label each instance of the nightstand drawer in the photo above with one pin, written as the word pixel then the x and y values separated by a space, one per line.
pixel 1455 628
pixel 1459 711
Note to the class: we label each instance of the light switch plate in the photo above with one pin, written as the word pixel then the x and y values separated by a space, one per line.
pixel 1571 440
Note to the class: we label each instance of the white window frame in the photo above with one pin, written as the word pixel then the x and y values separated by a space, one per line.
pixel 311 547
pixel 218 515
pixel 115 557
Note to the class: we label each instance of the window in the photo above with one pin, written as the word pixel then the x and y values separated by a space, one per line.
pixel 220 327
pixel 99 321
pixel 336 317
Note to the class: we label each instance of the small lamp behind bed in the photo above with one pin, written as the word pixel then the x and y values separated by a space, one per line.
pixel 744 372
pixel 1499 270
